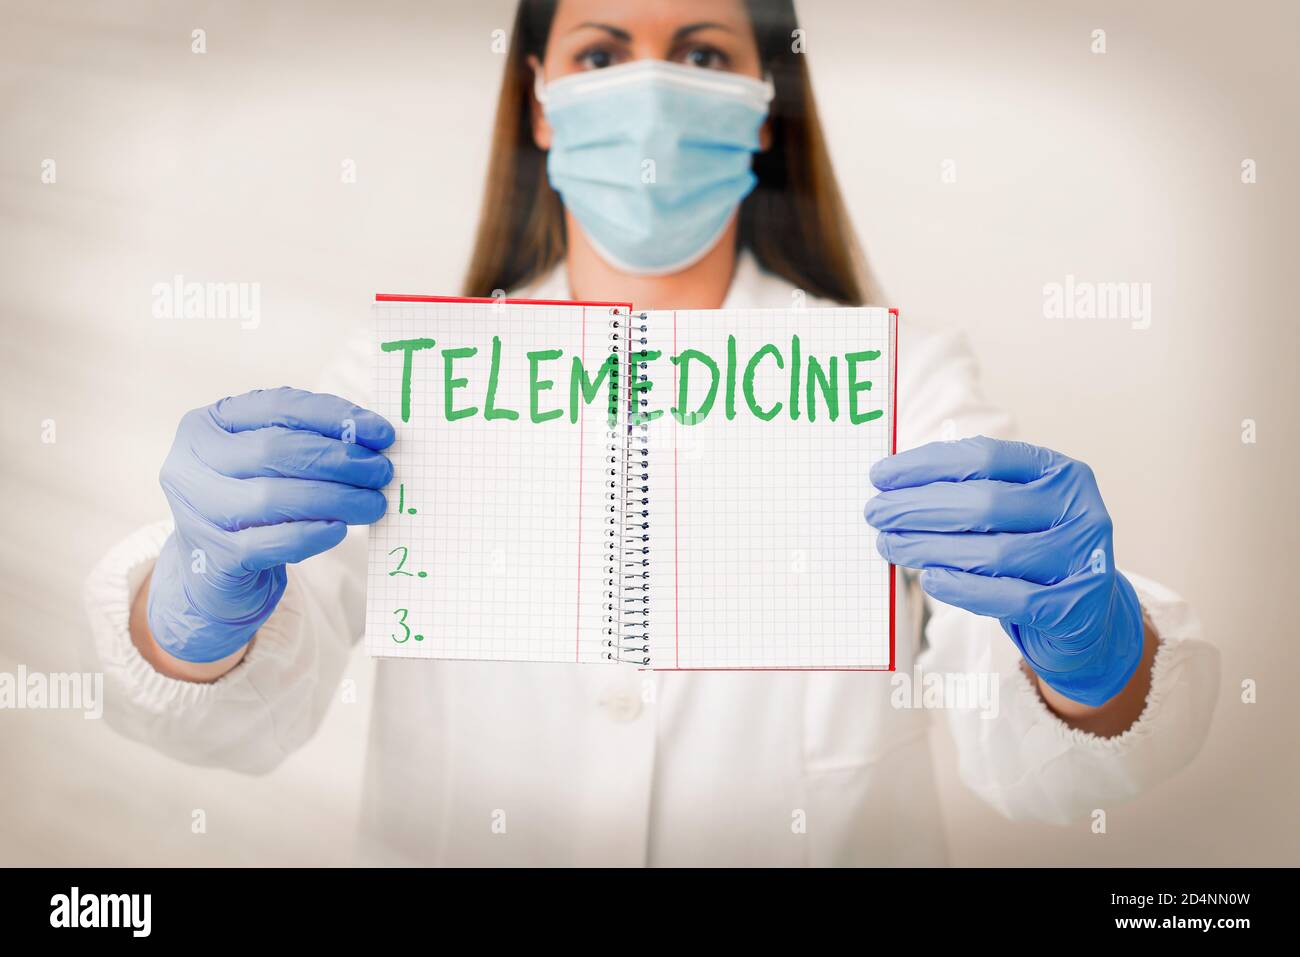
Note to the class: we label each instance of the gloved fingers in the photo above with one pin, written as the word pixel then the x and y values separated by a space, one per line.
pixel 962 460
pixel 977 505
pixel 288 453
pixel 232 504
pixel 266 546
pixel 317 412
pixel 1011 599
pixel 1033 556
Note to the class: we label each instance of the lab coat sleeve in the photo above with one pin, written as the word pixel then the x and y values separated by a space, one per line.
pixel 275 698
pixel 267 705
pixel 1019 756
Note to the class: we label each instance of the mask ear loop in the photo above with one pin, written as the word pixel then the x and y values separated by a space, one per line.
pixel 539 85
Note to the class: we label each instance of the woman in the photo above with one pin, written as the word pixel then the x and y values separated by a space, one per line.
pixel 227 658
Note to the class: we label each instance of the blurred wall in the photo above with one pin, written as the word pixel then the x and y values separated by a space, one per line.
pixel 984 150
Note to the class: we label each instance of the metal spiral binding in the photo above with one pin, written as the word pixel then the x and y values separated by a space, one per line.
pixel 627 533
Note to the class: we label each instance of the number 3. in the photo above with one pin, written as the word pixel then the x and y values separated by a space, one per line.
pixel 402 613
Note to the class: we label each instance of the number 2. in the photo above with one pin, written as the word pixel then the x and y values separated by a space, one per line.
pixel 400 562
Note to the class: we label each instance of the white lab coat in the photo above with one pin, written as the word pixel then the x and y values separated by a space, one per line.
pixel 595 764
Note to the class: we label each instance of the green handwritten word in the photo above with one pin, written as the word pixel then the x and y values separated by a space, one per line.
pixel 578 382
pixel 408 348
pixel 809 386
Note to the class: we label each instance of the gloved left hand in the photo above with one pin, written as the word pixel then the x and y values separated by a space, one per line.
pixel 255 482
pixel 1019 533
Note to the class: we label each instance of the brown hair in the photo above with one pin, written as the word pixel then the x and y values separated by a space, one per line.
pixel 794 221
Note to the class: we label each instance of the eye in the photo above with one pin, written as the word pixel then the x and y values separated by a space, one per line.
pixel 597 57
pixel 706 57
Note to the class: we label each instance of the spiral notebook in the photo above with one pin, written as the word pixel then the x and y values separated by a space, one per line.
pixel 678 490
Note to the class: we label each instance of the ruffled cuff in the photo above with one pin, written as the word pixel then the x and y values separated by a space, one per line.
pixel 1177 629
pixel 244 719
pixel 1028 763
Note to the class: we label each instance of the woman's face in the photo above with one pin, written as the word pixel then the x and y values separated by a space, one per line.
pixel 594 34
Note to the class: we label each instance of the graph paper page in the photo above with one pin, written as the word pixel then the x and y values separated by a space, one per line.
pixel 761 555
pixel 493 544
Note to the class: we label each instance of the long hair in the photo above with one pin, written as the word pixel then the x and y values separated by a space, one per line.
pixel 794 221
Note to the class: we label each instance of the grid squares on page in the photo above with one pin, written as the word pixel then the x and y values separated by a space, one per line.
pixel 763 559
pixel 500 558
pixel 771 563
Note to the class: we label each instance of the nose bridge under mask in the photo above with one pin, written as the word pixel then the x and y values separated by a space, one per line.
pixel 757 94
pixel 663 109
pixel 653 158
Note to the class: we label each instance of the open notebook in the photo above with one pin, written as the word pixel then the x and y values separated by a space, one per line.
pixel 582 482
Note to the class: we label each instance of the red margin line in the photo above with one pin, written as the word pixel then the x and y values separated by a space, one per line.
pixel 577 611
pixel 839 669
pixel 402 297
pixel 677 627
pixel 893 448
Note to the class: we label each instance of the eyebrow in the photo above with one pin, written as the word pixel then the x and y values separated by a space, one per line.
pixel 615 32
pixel 683 32
pixel 680 34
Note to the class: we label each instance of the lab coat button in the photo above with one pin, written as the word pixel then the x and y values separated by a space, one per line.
pixel 621 707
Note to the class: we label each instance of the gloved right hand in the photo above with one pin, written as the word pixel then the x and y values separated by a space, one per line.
pixel 254 482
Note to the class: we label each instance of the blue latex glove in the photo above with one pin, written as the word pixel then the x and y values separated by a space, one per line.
pixel 256 481
pixel 1018 533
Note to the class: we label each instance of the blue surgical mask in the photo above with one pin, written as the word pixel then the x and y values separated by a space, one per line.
pixel 653 158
